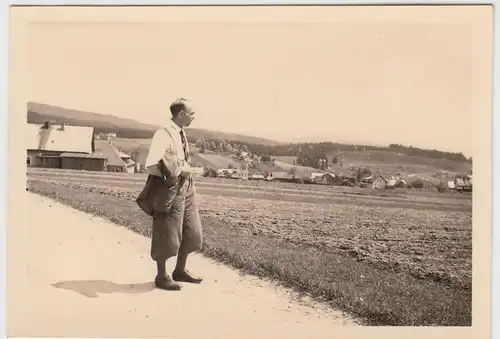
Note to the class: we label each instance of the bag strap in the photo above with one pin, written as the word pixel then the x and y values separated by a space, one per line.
pixel 171 139
pixel 175 153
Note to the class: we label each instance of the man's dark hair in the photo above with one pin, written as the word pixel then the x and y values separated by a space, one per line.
pixel 178 106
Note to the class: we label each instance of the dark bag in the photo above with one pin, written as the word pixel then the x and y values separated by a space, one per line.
pixel 159 193
pixel 145 200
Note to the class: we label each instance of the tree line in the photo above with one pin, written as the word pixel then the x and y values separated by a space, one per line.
pixel 317 155
pixel 297 149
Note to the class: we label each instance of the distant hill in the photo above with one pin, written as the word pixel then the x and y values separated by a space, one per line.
pixel 197 133
pixel 126 128
pixel 42 112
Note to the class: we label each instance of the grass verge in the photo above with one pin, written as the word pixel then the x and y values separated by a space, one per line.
pixel 376 297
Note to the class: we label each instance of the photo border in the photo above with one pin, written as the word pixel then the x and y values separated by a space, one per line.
pixel 5 133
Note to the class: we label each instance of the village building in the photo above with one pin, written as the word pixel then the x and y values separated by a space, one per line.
pixel 463 183
pixel 314 175
pixel 400 183
pixel 326 179
pixel 459 183
pixel 210 173
pixel 105 136
pixel 281 177
pixel 379 183
pixel 338 180
pixel 197 171
pixel 80 161
pixel 243 174
pixel 391 181
pixel 52 145
pixel 368 179
pixel 349 180
pixel 395 182
pixel 117 161
pixel 225 172
pixel 256 176
pixel 129 163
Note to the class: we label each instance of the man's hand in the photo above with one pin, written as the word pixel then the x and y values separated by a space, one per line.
pixel 185 171
pixel 163 169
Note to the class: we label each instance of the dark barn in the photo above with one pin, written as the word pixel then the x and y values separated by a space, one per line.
pixel 88 162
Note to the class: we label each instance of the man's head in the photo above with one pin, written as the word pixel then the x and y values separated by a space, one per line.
pixel 182 112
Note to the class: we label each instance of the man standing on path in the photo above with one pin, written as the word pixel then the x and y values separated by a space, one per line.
pixel 169 197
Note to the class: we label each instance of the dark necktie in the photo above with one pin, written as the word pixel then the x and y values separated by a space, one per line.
pixel 183 139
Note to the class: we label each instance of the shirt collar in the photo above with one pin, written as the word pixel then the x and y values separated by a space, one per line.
pixel 174 126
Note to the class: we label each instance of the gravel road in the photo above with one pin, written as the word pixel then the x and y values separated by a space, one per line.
pixel 75 275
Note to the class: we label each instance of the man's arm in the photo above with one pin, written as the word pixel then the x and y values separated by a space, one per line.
pixel 161 159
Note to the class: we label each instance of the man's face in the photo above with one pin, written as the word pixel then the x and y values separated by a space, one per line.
pixel 187 116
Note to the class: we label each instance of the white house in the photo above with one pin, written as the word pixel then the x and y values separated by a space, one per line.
pixel 256 176
pixel 240 175
pixel 197 170
pixel 130 166
pixel 379 183
pixel 391 181
pixel 224 172
pixel 316 174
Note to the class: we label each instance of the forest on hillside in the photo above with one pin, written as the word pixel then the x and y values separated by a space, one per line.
pixel 324 153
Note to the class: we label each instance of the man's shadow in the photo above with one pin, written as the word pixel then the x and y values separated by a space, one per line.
pixel 92 288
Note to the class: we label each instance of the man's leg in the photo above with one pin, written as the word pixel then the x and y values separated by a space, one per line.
pixel 163 280
pixel 180 272
pixel 192 237
pixel 165 243
pixel 161 266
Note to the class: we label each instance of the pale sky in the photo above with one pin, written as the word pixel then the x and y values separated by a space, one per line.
pixel 347 82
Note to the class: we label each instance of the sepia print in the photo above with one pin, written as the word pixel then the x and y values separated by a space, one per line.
pixel 250 172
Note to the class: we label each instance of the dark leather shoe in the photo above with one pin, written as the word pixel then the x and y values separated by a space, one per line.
pixel 186 277
pixel 166 283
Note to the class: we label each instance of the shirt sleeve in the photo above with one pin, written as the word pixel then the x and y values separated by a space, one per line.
pixel 162 148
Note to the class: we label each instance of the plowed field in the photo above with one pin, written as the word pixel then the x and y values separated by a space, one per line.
pixel 417 238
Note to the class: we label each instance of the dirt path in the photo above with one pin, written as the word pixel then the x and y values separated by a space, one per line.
pixel 75 275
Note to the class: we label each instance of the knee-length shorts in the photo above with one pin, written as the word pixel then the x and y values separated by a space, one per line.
pixel 176 221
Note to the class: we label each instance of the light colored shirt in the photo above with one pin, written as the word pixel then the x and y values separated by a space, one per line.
pixel 167 145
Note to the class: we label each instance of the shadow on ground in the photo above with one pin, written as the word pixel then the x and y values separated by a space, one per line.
pixel 92 288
